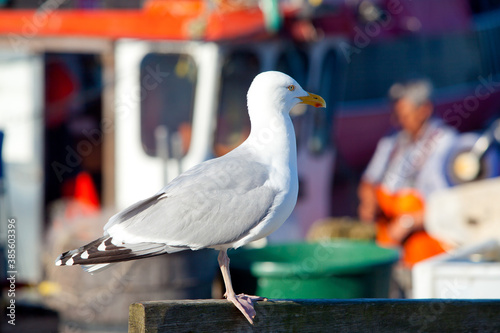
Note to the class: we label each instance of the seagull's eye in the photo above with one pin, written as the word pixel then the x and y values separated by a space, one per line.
pixel 291 87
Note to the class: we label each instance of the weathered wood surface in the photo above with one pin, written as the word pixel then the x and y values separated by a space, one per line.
pixel 362 315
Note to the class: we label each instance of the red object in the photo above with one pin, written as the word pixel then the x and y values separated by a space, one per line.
pixel 419 245
pixel 58 99
pixel 85 191
pixel 173 20
pixel 82 196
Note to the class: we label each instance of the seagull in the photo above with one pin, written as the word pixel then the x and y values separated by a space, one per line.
pixel 222 203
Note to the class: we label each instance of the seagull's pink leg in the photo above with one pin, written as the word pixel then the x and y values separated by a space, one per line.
pixel 242 302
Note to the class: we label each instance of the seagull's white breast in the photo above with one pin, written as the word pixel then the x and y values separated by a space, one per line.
pixel 281 157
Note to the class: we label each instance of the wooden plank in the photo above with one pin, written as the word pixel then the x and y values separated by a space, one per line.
pixel 361 315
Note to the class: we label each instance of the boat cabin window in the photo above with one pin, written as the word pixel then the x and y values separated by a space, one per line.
pixel 294 62
pixel 447 60
pixel 168 84
pixel 73 136
pixel 233 124
pixel 329 89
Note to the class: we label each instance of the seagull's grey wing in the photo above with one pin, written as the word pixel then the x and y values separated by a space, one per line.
pixel 216 202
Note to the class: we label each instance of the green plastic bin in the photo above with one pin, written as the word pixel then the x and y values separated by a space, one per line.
pixel 333 269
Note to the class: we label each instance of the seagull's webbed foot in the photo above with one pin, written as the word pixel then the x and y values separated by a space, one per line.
pixel 244 303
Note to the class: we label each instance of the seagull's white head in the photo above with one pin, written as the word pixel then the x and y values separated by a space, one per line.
pixel 277 92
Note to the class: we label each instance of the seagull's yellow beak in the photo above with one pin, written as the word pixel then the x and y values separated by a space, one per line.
pixel 314 100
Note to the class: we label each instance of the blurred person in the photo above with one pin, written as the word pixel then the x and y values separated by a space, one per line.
pixel 405 168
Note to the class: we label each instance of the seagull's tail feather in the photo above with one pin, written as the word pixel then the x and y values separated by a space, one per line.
pixel 96 268
pixel 98 254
